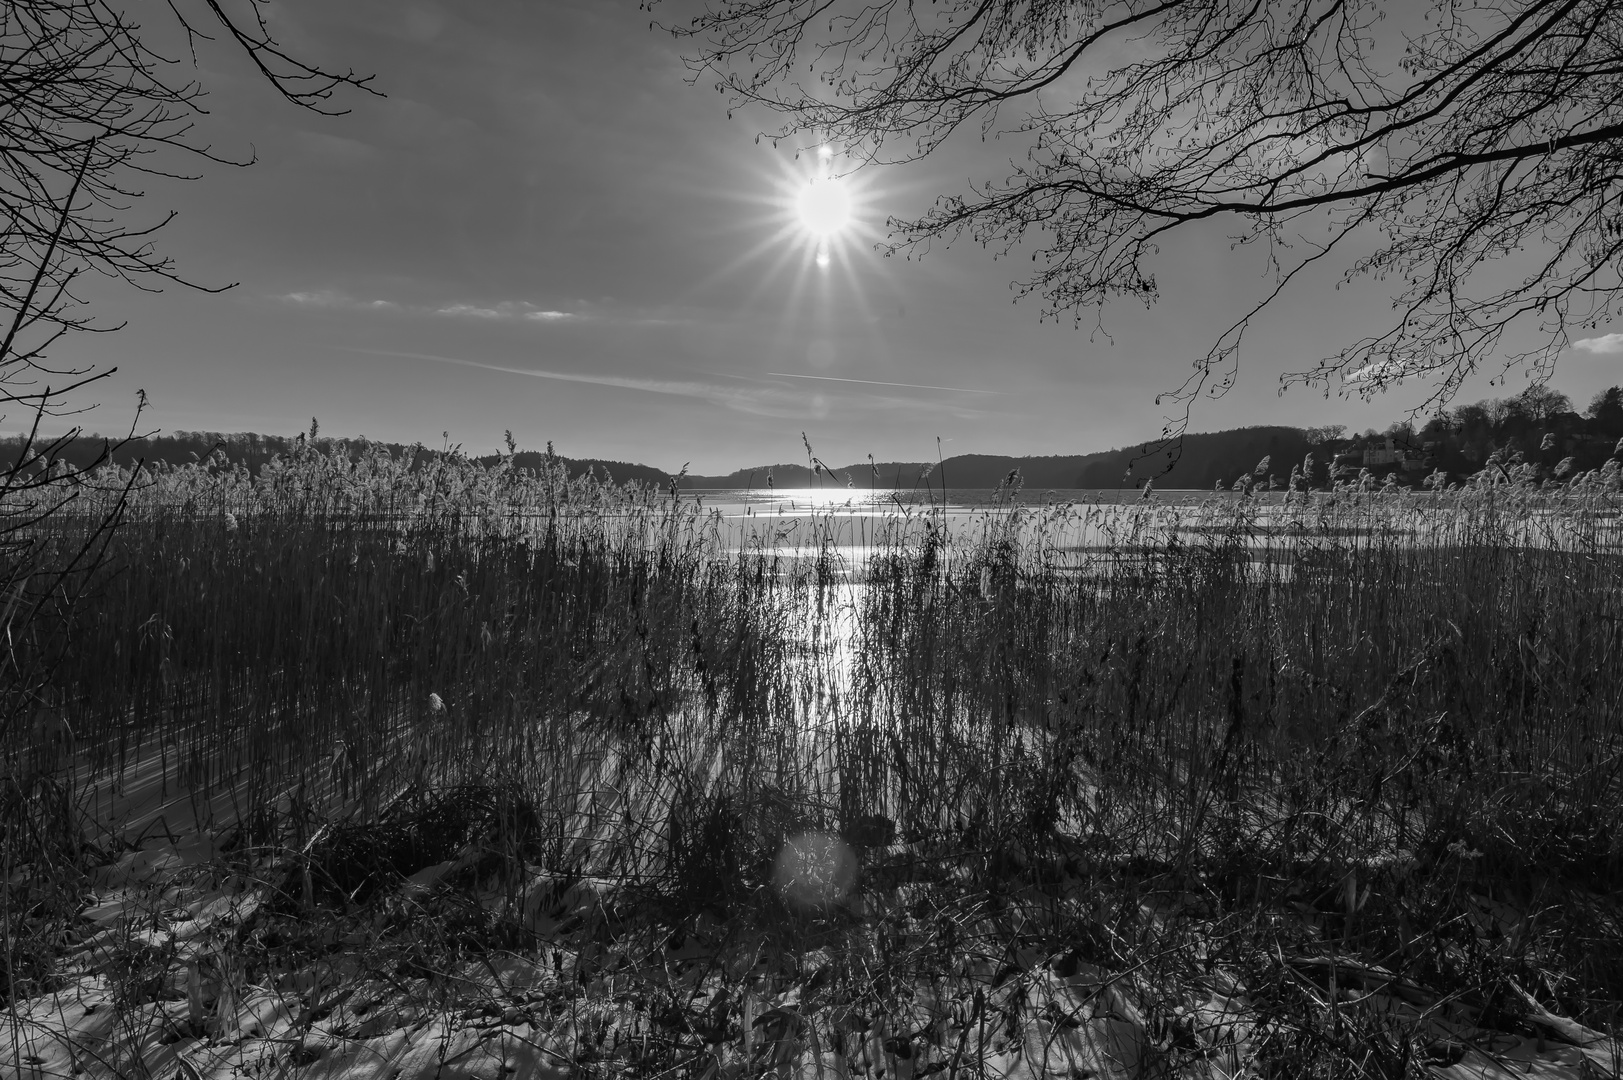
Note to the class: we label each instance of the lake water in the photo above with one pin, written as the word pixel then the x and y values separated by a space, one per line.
pixel 1067 529
pixel 1082 535
pixel 865 500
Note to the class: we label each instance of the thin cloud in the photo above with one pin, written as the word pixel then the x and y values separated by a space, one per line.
pixel 328 298
pixel 1605 344
pixel 468 310
pixel 873 382
pixel 757 402
pixel 318 298
pixel 507 309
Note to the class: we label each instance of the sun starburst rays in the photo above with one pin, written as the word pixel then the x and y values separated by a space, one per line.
pixel 808 226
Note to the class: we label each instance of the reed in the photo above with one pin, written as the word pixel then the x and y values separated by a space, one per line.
pixel 1256 701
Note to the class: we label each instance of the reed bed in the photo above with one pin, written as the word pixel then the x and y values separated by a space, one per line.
pixel 1154 741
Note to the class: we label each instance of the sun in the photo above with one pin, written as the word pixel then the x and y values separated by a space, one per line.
pixel 817 211
pixel 823 207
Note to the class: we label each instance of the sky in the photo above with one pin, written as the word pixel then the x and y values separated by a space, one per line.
pixel 543 228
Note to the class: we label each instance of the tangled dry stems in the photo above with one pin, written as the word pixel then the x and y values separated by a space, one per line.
pixel 1285 793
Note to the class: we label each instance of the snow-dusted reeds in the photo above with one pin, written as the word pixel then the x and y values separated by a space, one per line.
pixel 346 624
pixel 1350 701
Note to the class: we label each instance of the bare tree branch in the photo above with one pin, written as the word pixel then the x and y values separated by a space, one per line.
pixel 1477 143
pixel 88 110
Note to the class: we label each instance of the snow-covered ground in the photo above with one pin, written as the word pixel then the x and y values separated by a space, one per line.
pixel 171 972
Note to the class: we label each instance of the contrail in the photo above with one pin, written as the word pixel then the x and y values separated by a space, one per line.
pixel 770 401
pixel 873 382
pixel 653 386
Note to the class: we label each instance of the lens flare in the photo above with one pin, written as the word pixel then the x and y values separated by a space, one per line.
pixel 815 870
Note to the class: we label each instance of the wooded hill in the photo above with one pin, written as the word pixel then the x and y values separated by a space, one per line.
pixel 964 471
pixel 1205 459
pixel 253 451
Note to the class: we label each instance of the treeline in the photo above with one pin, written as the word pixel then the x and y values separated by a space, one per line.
pixel 1201 460
pixel 253 451
pixel 1537 428
pixel 620 472
pixel 1531 436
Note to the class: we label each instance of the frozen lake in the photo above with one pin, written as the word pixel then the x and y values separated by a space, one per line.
pixel 1064 529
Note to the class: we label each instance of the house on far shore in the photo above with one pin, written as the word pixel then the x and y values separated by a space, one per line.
pixel 1387 451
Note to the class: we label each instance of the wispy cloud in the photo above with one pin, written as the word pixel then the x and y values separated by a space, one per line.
pixel 468 311
pixel 873 382
pixel 329 298
pixel 507 309
pixel 762 402
pixel 1606 343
